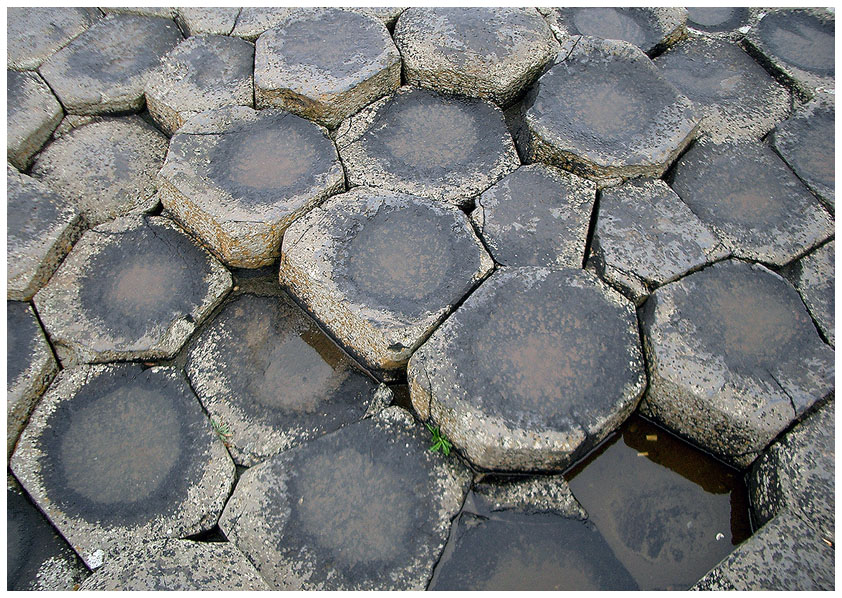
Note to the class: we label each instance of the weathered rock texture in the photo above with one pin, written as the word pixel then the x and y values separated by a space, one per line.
pixel 218 20
pixel 814 276
pixel 34 33
pixel 722 22
pixel 32 113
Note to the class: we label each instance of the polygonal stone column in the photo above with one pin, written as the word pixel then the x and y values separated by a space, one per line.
pixel 218 20
pixel 491 53
pixel 367 507
pixel 606 112
pixel 733 358
pixel 135 288
pixel 416 141
pixel 32 114
pixel 380 270
pixel 201 73
pixel 118 453
pixel 236 178
pixel 814 276
pixel 533 370
pixel 325 64
pixel 34 33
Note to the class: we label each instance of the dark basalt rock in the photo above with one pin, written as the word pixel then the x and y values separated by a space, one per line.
pixel 32 114
pixel 814 276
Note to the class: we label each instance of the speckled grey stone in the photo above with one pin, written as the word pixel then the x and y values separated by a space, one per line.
pixel 606 112
pixel 751 200
pixel 739 99
pixel 491 53
pixel 798 46
pixel 134 288
pixel 814 276
pixel 265 371
pixel 30 367
pixel 713 581
pixel 117 453
pixel 325 64
pixel 722 22
pixel 536 216
pixel 180 565
pixel 203 72
pixel 446 148
pixel 380 270
pixel 104 70
pixel 367 507
pixel 236 178
pixel 34 33
pixel 254 20
pixel 646 236
pixel 733 358
pixel 218 20
pixel 387 14
pixel 32 113
pixel 535 494
pixel 532 371
pixel 166 12
pixel 40 229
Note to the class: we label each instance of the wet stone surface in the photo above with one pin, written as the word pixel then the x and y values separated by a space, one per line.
pixel 739 99
pixel 34 33
pixel 533 370
pixel 751 200
pixel 646 236
pixel 325 64
pixel 606 111
pixel 416 141
pixel 114 454
pixel 719 21
pixel 32 113
pixel 107 167
pixel 236 178
pixel 135 288
pixel 536 216
pixel 733 358
pixel 492 53
pixel 104 70
pixel 203 72
pixel 367 507
pixel 814 276
pixel 218 20
pixel 265 371
pixel 380 270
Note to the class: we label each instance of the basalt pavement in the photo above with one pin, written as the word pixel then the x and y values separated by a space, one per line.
pixel 236 237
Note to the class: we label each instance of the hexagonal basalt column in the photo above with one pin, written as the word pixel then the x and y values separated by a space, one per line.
pixel 203 72
pixel 752 201
pixel 646 236
pixel 606 111
pixel 325 64
pixel 533 370
pixel 365 508
pixel 35 33
pixel 104 70
pixel 380 270
pixel 218 20
pixel 32 114
pixel 114 454
pixel 536 216
pixel 265 371
pixel 135 288
pixel 237 178
pixel 814 276
pixel 733 358
pixel 107 167
pixel 739 99
pixel 491 53
pixel 723 22
pixel 416 141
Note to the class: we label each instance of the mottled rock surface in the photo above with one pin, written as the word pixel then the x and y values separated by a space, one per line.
pixel 32 113
pixel 814 276
pixel 723 22
pixel 387 14
pixel 34 33
pixel 218 20
pixel 166 12
pixel 254 20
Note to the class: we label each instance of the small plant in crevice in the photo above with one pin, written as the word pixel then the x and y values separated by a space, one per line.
pixel 440 441
pixel 222 431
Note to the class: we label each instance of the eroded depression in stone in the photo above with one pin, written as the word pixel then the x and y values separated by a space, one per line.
pixel 801 39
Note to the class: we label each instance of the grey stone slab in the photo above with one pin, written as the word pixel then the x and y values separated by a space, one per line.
pixel 367 507
pixel 646 236
pixel 30 367
pixel 606 112
pixel 797 45
pixel 254 20
pixel 751 200
pixel 166 12
pixel 325 64
pixel 416 141
pixel 531 494
pixel 104 70
pixel 724 22
pixel 733 358
pixel 117 453
pixel 180 565
pixel 237 178
pixel 134 288
pixel 796 473
pixel 40 229
pixel 217 20
pixel 387 14
pixel 380 270
pixel 739 99
pixel 532 371
pixel 814 276
pixel 492 53
pixel 536 216
pixel 266 372
pixel 32 113
pixel 34 33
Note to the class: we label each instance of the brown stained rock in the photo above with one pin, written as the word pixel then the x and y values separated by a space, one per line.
pixel 325 64
pixel 218 20
pixel 34 33
pixel 814 276
pixel 236 178
pixel 32 113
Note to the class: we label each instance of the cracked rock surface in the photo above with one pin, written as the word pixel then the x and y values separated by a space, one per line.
pixel 814 276
pixel 34 33
pixel 195 20
pixel 32 114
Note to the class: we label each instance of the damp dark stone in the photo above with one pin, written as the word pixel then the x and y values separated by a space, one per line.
pixel 32 113
pixel 814 276
pixel 717 19
pixel 35 33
